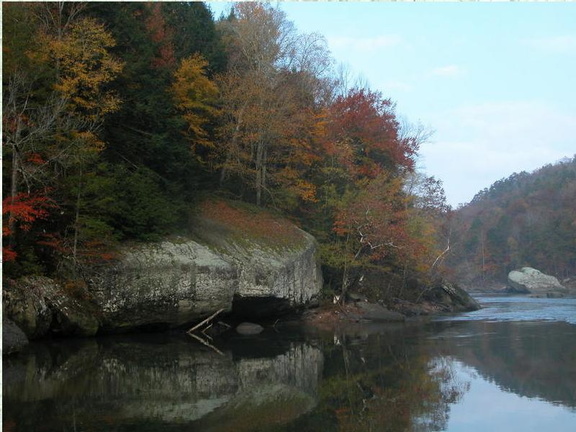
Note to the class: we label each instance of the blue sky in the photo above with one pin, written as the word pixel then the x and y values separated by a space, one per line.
pixel 495 81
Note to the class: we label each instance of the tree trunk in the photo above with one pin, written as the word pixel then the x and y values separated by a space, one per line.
pixel 77 221
pixel 13 193
pixel 234 146
pixel 260 171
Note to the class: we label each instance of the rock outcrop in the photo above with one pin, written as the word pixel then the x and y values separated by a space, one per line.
pixel 39 305
pixel 13 338
pixel 531 281
pixel 163 285
pixel 253 273
pixel 376 312
pixel 443 297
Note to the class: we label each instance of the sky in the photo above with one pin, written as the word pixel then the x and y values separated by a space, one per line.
pixel 495 81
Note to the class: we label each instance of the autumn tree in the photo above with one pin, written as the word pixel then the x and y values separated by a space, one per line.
pixel 268 99
pixel 51 133
pixel 85 67
pixel 430 222
pixel 370 225
pixel 361 215
pixel 195 97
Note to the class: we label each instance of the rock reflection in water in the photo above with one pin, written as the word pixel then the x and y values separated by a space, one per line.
pixel 102 384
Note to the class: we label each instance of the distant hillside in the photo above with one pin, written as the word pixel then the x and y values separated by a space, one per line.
pixel 527 219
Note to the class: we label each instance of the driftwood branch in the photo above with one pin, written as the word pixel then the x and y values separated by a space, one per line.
pixel 202 327
pixel 206 321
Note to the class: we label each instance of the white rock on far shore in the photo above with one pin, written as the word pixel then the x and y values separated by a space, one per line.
pixel 530 280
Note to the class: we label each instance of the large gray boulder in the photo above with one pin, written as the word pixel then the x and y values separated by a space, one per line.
pixel 219 267
pixel 531 281
pixel 180 281
pixel 162 285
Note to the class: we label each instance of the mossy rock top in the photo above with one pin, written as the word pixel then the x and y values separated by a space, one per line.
pixel 221 224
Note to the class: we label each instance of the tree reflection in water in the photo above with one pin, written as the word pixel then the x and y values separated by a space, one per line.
pixel 383 382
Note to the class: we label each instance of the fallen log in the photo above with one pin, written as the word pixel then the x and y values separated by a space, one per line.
pixel 206 321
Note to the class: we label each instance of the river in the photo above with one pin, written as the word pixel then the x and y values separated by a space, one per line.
pixel 510 366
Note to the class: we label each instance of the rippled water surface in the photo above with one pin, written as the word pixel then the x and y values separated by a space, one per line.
pixel 520 308
pixel 508 367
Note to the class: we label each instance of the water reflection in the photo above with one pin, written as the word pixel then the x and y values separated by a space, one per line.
pixel 486 407
pixel 531 359
pixel 379 378
pixel 157 384
pixel 416 376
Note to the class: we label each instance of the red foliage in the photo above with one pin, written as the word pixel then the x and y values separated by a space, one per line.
pixel 161 34
pixel 23 209
pixel 35 158
pixel 8 254
pixel 362 133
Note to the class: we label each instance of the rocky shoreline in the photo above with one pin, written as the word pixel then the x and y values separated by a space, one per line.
pixel 442 299
pixel 250 264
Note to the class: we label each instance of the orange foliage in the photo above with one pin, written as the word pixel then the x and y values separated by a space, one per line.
pixel 195 97
pixel 86 67
pixel 161 34
pixel 257 224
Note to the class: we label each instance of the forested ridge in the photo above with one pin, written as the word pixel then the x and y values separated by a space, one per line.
pixel 527 219
pixel 119 119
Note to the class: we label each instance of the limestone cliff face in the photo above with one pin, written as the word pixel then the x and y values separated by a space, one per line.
pixel 164 284
pixel 252 263
pixel 180 281
pixel 271 280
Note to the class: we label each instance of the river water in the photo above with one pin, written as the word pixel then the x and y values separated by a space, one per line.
pixel 508 367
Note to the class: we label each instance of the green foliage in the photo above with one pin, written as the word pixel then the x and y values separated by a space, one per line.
pixel 135 203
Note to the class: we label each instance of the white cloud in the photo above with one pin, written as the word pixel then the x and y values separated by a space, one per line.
pixel 478 145
pixel 364 44
pixel 556 44
pixel 448 71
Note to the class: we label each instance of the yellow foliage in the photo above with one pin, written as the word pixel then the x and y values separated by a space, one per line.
pixel 84 66
pixel 195 95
